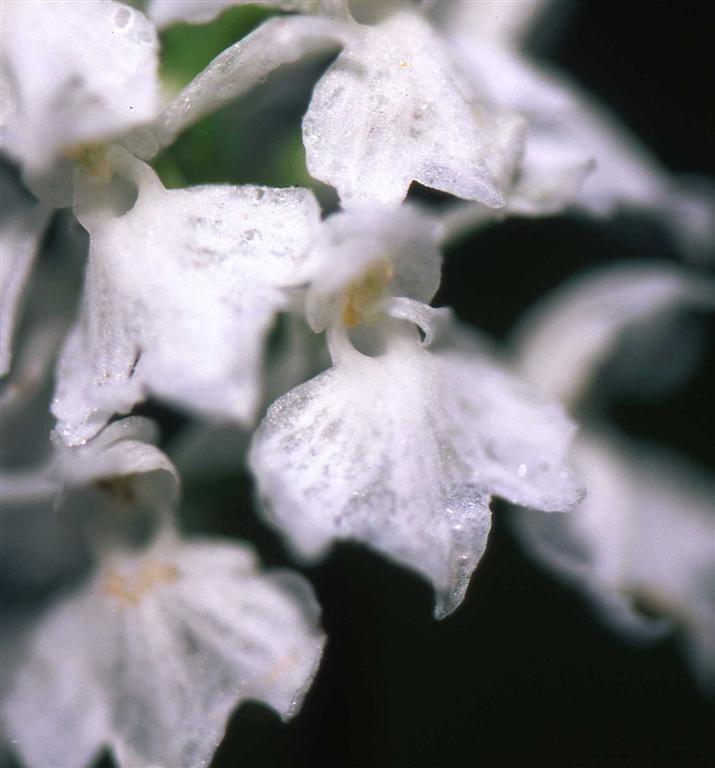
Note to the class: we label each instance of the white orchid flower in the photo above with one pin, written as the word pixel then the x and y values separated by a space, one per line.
pixel 563 342
pixel 569 133
pixel 76 74
pixel 154 651
pixel 180 293
pixel 151 656
pixel 79 75
pixel 403 448
pixel 645 529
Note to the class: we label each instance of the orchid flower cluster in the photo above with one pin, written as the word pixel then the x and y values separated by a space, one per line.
pixel 388 421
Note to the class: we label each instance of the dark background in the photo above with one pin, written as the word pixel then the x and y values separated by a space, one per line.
pixel 523 673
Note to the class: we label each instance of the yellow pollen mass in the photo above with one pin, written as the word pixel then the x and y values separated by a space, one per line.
pixel 131 590
pixel 92 158
pixel 361 294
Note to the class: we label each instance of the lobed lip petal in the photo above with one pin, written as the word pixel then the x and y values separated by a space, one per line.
pixel 180 293
pixel 412 117
pixel 404 451
pixel 156 678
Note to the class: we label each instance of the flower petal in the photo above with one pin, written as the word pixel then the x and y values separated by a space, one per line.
pixel 163 646
pixel 165 12
pixel 123 449
pixel 411 118
pixel 644 530
pixel 78 72
pixel 295 354
pixel 116 488
pixel 507 22
pixel 241 67
pixel 404 451
pixel 180 293
pixel 351 242
pixel 546 184
pixel 576 129
pixel 563 342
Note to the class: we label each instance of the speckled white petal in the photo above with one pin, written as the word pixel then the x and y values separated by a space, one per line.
pixel 22 224
pixel 76 71
pixel 564 340
pixel 151 657
pixel 165 12
pixel 351 242
pixel 404 451
pixel 645 531
pixel 248 62
pixel 180 293
pixel 412 117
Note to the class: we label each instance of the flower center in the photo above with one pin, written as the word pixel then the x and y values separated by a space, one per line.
pixel 91 157
pixel 361 295
pixel 130 590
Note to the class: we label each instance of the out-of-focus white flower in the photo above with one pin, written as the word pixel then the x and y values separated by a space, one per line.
pixel 567 129
pixel 646 528
pixel 22 223
pixel 403 448
pixel 153 653
pixel 412 117
pixel 180 293
pixel 563 342
pixel 74 74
